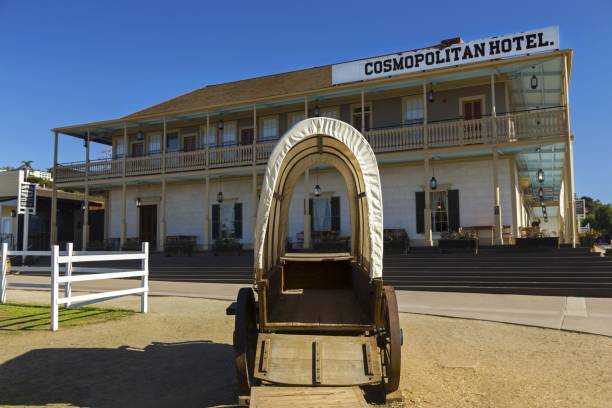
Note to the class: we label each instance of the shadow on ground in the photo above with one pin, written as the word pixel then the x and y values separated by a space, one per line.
pixel 199 373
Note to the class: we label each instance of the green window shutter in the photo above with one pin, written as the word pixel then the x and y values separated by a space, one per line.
pixel 216 219
pixel 453 210
pixel 335 214
pixel 311 215
pixel 238 220
pixel 419 198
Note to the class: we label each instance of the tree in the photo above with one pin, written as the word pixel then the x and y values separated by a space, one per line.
pixel 599 215
pixel 27 164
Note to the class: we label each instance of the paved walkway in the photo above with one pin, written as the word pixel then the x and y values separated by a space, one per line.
pixel 589 315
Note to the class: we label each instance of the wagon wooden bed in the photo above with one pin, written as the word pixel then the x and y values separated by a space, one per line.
pixel 320 319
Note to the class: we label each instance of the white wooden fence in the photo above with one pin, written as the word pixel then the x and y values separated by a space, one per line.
pixel 67 259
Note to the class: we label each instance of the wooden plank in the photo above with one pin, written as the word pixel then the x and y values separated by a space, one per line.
pixel 301 397
pixel 297 359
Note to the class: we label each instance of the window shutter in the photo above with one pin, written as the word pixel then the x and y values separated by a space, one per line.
pixel 311 217
pixel 453 210
pixel 419 198
pixel 238 220
pixel 335 214
pixel 216 219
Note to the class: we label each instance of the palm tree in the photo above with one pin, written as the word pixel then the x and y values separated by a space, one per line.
pixel 26 164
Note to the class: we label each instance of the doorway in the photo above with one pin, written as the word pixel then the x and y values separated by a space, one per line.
pixel 148 225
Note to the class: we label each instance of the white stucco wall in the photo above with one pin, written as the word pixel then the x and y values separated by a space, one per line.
pixel 185 201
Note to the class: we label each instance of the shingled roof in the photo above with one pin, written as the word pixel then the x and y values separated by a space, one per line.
pixel 241 91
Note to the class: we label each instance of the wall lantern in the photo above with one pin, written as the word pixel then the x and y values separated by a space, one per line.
pixel 13 214
pixel 534 82
pixel 540 176
pixel 433 183
pixel 541 193
pixel 316 111
pixel 430 96
pixel 85 141
pixel 140 135
pixel 220 197
pixel 220 124
pixel 83 205
pixel 138 202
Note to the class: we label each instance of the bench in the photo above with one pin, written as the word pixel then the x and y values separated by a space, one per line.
pixel 180 244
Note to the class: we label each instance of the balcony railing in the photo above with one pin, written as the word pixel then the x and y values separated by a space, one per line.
pixel 511 127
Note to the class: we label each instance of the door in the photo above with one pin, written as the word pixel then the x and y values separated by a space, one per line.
pixel 246 136
pixel 148 225
pixel 138 149
pixel 189 143
pixel 472 113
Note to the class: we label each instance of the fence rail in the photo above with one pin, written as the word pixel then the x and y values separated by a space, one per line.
pixel 509 127
pixel 63 262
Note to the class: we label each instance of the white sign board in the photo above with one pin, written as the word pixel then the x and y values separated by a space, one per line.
pixel 580 208
pixel 26 198
pixel 510 45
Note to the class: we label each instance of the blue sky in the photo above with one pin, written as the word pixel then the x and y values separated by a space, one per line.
pixel 67 62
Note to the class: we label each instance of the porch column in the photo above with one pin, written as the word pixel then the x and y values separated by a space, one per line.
pixel 427 211
pixel 570 160
pixel 307 215
pixel 53 234
pixel 123 237
pixel 497 213
pixel 512 165
pixel 86 200
pixel 26 232
pixel 363 112
pixel 206 238
pixel 162 222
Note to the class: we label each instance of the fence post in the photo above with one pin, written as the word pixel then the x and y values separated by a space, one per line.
pixel 3 271
pixel 144 301
pixel 54 287
pixel 68 285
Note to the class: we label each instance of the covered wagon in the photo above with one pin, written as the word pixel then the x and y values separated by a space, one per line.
pixel 318 319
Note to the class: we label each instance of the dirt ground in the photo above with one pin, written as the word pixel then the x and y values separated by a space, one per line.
pixel 180 355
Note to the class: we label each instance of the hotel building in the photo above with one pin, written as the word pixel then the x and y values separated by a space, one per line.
pixel 466 134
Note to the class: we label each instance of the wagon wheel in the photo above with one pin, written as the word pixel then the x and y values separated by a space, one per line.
pixel 245 339
pixel 390 340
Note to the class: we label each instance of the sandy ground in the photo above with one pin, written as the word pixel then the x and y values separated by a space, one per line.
pixel 180 355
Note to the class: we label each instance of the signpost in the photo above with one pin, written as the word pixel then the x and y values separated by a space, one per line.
pixel 26 205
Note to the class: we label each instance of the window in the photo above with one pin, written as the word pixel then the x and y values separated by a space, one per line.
pixel 119 149
pixel 228 137
pixel 439 211
pixel 329 113
pixel 227 220
pixel 269 128
pixel 208 138
pixel 294 117
pixel 154 143
pixel 413 110
pixel 357 118
pixel 172 141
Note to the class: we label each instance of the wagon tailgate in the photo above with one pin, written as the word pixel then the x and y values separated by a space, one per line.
pixel 298 397
pixel 295 359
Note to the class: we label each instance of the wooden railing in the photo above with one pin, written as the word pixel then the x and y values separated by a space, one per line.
pixel 503 128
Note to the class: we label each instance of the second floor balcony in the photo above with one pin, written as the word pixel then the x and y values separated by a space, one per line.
pixel 513 127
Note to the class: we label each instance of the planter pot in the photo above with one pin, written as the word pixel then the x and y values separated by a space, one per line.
pixel 537 243
pixel 446 245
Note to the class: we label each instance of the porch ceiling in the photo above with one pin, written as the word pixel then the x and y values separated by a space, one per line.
pixel 549 158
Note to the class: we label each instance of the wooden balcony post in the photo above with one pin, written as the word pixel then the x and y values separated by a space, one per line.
pixel 123 236
pixel 162 223
pixel 363 112
pixel 570 160
pixel 86 201
pixel 497 211
pixel 53 234
pixel 207 139
pixel 254 199
pixel 427 210
pixel 306 107
pixel 513 191
pixel 493 109
pixel 425 136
